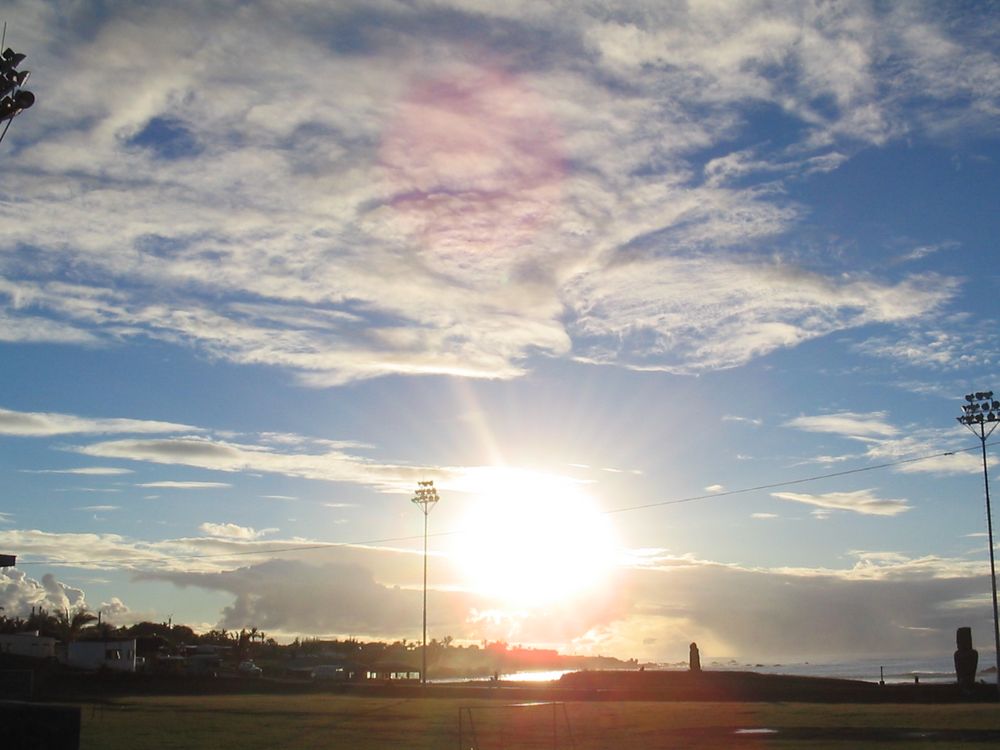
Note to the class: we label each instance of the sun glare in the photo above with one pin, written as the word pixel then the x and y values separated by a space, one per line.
pixel 535 540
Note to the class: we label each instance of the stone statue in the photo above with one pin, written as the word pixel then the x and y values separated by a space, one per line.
pixel 966 659
pixel 696 658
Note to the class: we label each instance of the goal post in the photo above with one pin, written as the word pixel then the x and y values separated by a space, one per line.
pixel 535 725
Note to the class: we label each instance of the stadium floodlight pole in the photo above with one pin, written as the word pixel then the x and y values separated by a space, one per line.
pixel 426 498
pixel 981 413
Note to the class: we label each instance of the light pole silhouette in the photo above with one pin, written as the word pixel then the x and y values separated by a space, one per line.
pixel 426 498
pixel 981 413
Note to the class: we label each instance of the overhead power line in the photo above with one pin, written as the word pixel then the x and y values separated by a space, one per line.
pixel 387 540
pixel 791 482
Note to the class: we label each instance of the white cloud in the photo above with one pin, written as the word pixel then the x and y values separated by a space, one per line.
pixel 925 445
pixel 764 516
pixel 233 531
pixel 293 456
pixel 102 490
pixel 99 508
pixel 220 455
pixel 40 424
pixel 951 463
pixel 185 485
pixel 731 167
pixel 19 593
pixel 865 502
pixel 95 471
pixel 22 328
pixel 918 450
pixel 116 612
pixel 111 551
pixel 443 221
pixel 961 346
pixel 322 464
pixel 826 459
pixel 848 424
pixel 654 314
pixel 923 251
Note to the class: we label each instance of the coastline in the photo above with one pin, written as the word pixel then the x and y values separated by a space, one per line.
pixel 894 670
pixel 600 686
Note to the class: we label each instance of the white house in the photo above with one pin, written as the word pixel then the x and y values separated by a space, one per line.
pixel 117 655
pixel 28 644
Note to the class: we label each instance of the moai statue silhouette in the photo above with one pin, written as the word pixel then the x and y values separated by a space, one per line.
pixel 695 658
pixel 966 659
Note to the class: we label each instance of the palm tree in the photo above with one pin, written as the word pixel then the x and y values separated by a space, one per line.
pixel 68 626
pixel 42 621
pixel 105 630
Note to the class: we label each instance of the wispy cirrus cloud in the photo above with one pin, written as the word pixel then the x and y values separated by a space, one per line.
pixel 849 424
pixel 43 424
pixel 919 450
pixel 463 217
pixel 220 455
pixel 865 502
pixel 174 485
pixel 961 345
pixel 924 251
pixel 233 531
pixel 291 455
pixel 91 471
pixel 936 451
pixel 654 314
pixel 15 328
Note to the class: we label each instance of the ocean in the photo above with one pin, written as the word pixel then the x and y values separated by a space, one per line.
pixel 892 670
pixel 930 669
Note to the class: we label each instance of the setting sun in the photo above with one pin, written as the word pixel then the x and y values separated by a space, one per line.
pixel 535 540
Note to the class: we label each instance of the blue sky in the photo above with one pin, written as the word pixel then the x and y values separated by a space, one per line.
pixel 263 267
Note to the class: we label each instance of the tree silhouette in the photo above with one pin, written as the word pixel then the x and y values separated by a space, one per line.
pixel 69 626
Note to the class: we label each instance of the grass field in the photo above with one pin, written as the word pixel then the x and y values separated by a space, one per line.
pixel 248 722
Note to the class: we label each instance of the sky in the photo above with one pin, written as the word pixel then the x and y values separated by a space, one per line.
pixel 675 303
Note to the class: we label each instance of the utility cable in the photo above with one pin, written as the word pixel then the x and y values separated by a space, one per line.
pixel 416 537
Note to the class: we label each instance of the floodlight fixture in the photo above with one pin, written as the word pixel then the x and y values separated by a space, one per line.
pixel 13 99
pixel 11 106
pixel 12 81
pixel 981 416
pixel 426 498
pixel 11 59
pixel 981 409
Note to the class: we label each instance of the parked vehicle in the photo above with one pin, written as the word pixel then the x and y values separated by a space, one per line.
pixel 249 669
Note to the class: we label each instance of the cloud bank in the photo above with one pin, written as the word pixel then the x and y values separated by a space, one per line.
pixel 653 608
